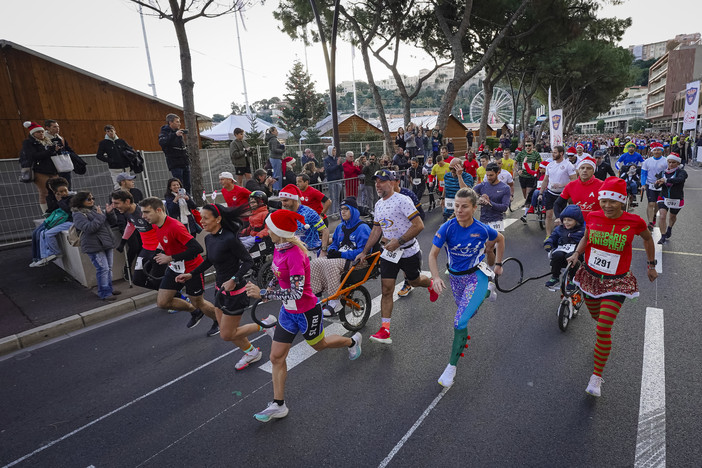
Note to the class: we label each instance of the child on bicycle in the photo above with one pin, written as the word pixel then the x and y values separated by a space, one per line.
pixel 562 243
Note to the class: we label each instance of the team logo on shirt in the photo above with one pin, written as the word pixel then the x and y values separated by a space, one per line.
pixel 386 223
pixel 165 240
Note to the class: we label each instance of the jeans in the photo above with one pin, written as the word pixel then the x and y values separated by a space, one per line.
pixel 371 196
pixel 182 173
pixel 335 187
pixel 36 241
pixel 103 270
pixel 632 187
pixel 48 244
pixel 277 166
pixel 361 201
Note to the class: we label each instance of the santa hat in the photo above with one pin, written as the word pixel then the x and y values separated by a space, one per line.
pixel 579 145
pixel 656 145
pixel 285 163
pixel 543 164
pixel 587 160
pixel 613 188
pixel 33 127
pixel 290 191
pixel 283 223
pixel 674 157
pixel 571 151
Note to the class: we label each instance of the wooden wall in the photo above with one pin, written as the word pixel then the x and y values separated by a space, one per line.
pixel 354 124
pixel 32 88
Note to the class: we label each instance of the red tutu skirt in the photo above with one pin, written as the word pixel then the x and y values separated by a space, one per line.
pixel 597 286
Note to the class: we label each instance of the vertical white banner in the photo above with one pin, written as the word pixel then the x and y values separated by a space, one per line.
pixel 555 120
pixel 692 99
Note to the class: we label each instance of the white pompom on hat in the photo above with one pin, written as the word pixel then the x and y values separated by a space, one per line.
pixel 33 127
pixel 613 188
pixel 283 223
pixel 674 157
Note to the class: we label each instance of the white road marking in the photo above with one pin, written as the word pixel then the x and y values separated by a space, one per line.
pixel 650 437
pixel 659 250
pixel 509 222
pixel 414 427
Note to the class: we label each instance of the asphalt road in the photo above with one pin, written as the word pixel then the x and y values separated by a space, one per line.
pixel 146 391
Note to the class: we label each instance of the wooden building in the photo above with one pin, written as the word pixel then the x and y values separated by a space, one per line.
pixel 37 87
pixel 454 128
pixel 350 125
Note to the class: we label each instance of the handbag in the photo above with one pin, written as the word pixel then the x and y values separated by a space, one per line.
pixel 26 173
pixel 136 162
pixel 74 236
pixel 62 162
pixel 56 217
pixel 80 167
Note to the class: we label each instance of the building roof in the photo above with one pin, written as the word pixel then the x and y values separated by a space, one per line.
pixel 426 121
pixel 225 129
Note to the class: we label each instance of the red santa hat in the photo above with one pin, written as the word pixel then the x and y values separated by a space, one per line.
pixel 290 191
pixel 283 223
pixel 674 157
pixel 587 160
pixel 285 163
pixel 579 145
pixel 656 145
pixel 613 188
pixel 571 151
pixel 33 127
pixel 543 164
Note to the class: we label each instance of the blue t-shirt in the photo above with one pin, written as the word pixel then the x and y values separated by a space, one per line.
pixel 452 186
pixel 626 159
pixel 465 246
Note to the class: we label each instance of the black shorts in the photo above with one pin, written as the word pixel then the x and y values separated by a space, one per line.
pixel 550 199
pixel 652 195
pixel 675 211
pixel 411 266
pixel 231 304
pixel 527 182
pixel 242 170
pixel 195 286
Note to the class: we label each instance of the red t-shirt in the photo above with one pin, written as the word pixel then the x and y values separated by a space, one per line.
pixel 236 197
pixel 173 236
pixel 470 167
pixel 608 249
pixel 585 195
pixel 313 198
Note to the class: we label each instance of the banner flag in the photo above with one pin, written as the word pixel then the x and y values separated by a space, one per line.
pixel 555 120
pixel 692 99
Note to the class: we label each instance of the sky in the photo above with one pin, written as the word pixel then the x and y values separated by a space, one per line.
pixel 105 37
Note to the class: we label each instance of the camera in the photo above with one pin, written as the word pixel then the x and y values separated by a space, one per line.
pixel 184 130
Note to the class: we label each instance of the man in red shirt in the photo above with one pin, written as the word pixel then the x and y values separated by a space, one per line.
pixel 233 194
pixel 470 165
pixel 582 191
pixel 313 198
pixel 351 173
pixel 181 252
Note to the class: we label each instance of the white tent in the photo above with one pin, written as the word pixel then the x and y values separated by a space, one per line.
pixel 225 129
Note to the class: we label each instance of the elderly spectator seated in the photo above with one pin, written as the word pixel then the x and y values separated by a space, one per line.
pixel 45 246
pixel 348 241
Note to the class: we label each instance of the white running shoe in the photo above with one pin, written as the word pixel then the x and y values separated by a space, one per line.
pixel 247 359
pixel 268 320
pixel 493 292
pixel 355 350
pixel 594 388
pixel 273 411
pixel 446 379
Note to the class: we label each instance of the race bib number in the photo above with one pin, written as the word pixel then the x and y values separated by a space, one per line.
pixel 498 226
pixel 671 203
pixel 139 264
pixel 568 248
pixel 178 267
pixel 393 256
pixel 255 254
pixel 441 183
pixel 605 262
pixel 416 181
pixel 449 203
pixel 538 184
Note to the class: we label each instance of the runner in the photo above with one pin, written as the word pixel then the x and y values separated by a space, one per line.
pixel 454 180
pixel 649 170
pixel 558 174
pixel 417 177
pixel 407 287
pixel 397 220
pixel 300 312
pixel 582 191
pixel 580 151
pixel 313 228
pixel 605 277
pixel 181 252
pixel 671 181
pixel 468 242
pixel 628 158
pixel 234 195
pixel 310 196
pixel 532 158
pixel 232 261
pixel 494 198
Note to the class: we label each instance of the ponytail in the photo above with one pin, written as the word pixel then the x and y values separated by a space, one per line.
pixel 231 217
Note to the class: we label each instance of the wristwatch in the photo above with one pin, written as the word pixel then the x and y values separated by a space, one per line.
pixel 498 263
pixel 653 262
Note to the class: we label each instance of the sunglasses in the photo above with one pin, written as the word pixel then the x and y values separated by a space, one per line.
pixel 90 199
pixel 385 173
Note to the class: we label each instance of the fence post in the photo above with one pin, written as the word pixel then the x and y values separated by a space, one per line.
pixel 145 177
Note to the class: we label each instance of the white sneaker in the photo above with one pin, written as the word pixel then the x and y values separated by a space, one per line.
pixel 268 320
pixel 247 359
pixel 355 350
pixel 594 388
pixel 493 292
pixel 446 379
pixel 273 411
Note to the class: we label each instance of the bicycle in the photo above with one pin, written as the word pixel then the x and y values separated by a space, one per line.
pixel 571 300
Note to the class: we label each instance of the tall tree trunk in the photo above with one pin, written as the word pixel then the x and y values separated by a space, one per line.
pixel 187 86
pixel 454 86
pixel 376 97
pixel 488 89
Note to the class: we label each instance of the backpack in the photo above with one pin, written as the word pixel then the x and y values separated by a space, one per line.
pixel 74 236
pixel 56 217
pixel 136 162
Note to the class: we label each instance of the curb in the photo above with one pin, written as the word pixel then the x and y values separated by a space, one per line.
pixel 12 343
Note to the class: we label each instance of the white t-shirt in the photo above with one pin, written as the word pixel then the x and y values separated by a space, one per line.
pixel 505 176
pixel 559 175
pixel 394 216
pixel 653 166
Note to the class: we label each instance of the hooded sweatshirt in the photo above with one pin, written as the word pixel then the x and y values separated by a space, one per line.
pixel 350 236
pixel 563 236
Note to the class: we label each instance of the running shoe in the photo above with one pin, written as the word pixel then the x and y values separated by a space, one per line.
pixel 523 219
pixel 214 330
pixel 247 359
pixel 570 287
pixel 594 388
pixel 329 311
pixel 383 336
pixel 669 232
pixel 433 295
pixel 551 284
pixel 406 289
pixel 447 377
pixel 195 318
pixel 530 210
pixel 273 411
pixel 268 320
pixel 492 292
pixel 355 350
pixel 662 240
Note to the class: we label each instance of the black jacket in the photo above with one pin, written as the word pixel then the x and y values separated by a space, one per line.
pixel 174 148
pixel 39 155
pixel 110 152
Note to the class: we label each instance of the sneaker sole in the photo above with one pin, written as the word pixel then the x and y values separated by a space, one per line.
pixel 265 418
pixel 258 358
pixel 380 340
pixel 401 294
pixel 445 385
pixel 593 394
pixel 209 334
pixel 194 324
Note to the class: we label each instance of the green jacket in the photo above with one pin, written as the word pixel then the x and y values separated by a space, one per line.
pixel 533 158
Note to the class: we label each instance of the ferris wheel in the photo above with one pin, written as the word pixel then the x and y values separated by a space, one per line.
pixel 501 107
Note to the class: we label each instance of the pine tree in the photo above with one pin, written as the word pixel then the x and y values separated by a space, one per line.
pixel 254 137
pixel 304 105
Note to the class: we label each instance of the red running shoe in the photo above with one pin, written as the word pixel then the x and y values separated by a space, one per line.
pixel 383 336
pixel 531 210
pixel 433 296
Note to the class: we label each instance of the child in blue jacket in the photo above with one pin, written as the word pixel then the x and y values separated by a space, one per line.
pixel 563 240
